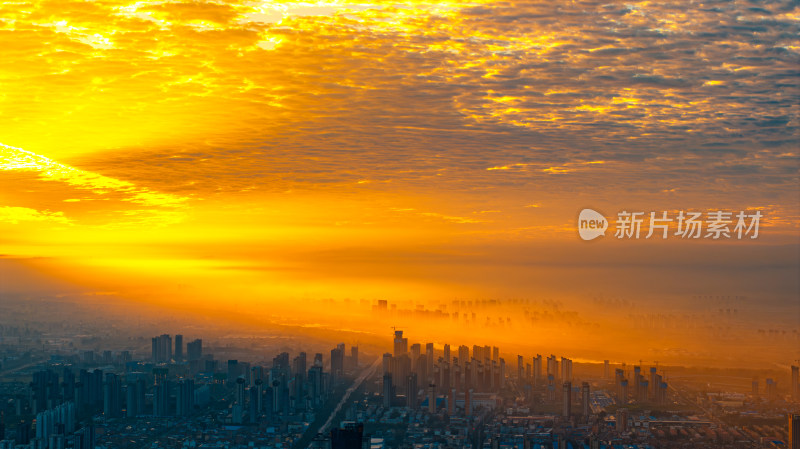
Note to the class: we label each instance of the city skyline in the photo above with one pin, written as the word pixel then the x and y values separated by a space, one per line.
pixel 329 171
pixel 117 393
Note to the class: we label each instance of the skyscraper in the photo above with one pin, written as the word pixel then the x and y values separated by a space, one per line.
pixel 178 347
pixel 451 402
pixel 585 410
pixel 794 431
pixel 354 357
pixel 387 363
pixel 567 399
pixel 653 384
pixel 412 392
pixel 185 397
pixel 112 396
pixel 463 354
pixel 429 358
pixel 795 383
pixel 477 352
pixel 400 343
pixel 622 420
pixel 194 350
pixel 416 350
pixel 388 390
pixel 772 390
pixel 337 362
pixel 162 348
pixel 537 369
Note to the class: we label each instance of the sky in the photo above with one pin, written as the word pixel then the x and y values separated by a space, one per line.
pixel 268 155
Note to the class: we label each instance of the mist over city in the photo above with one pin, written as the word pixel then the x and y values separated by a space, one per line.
pixel 459 224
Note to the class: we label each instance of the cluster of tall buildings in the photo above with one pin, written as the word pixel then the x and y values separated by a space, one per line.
pixel 290 385
pixel 640 388
pixel 163 350
pixel 413 377
pixel 59 400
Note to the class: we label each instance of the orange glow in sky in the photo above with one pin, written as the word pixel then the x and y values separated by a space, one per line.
pixel 276 155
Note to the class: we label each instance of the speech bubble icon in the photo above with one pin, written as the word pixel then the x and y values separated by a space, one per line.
pixel 591 224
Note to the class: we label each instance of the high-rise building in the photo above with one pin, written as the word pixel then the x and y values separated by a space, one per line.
pixel 432 398
pixel 388 390
pixel 585 410
pixel 400 370
pixel 653 384
pixel 88 437
pixel 337 361
pixel 622 394
pixel 622 420
pixel 551 388
pixel 354 357
pixel 606 370
pixel 387 363
pixel 412 392
pixel 567 399
pixel 162 348
pixel 463 354
pixel 795 383
pixel 134 398
pixel 315 385
pixel 661 395
pixel 400 343
pixel 234 370
pixel 566 369
pixel 416 350
pixel 429 358
pixel 161 392
pixel 644 389
pixel 772 390
pixel 446 353
pixel 253 404
pixel 537 369
pixel 422 369
pixel 240 396
pixel 794 431
pixel 552 366
pixel 112 396
pixel 185 397
pixel 194 350
pixel 44 389
pixel 477 353
pixel 178 347
pixel 451 402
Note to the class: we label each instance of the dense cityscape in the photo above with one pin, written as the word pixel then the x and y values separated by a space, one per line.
pixel 176 391
pixel 373 224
